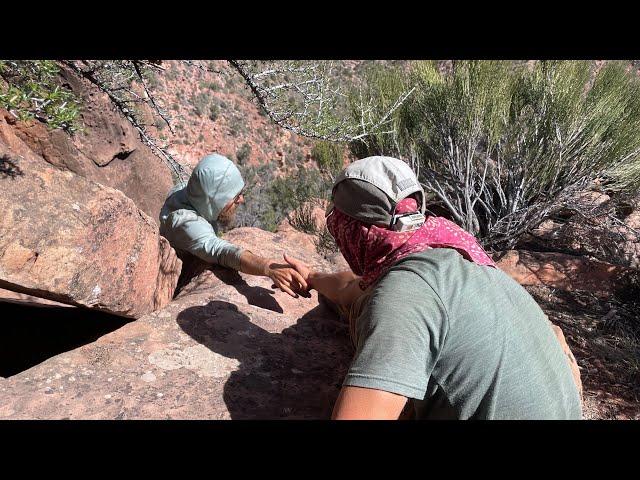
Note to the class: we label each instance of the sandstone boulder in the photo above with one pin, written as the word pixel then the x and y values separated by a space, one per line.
pixel 227 347
pixel 71 240
pixel 108 150
pixel 22 298
pixel 565 272
pixel 571 359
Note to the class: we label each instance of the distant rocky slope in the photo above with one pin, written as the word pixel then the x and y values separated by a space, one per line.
pixel 216 113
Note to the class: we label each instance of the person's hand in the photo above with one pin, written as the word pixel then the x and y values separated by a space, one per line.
pixel 301 267
pixel 286 278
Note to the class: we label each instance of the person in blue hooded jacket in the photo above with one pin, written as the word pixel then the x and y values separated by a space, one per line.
pixel 190 217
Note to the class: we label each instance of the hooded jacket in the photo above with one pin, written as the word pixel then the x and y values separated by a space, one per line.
pixel 188 218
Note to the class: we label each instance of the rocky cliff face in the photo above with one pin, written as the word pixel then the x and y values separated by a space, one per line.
pixel 72 240
pixel 107 150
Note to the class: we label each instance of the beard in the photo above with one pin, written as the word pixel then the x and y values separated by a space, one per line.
pixel 227 219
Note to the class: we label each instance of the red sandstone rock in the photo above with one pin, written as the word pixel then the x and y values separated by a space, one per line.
pixel 566 272
pixel 575 370
pixel 107 150
pixel 70 240
pixel 219 350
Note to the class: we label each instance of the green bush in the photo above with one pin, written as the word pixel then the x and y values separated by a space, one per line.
pixel 200 103
pixel 237 126
pixel 384 85
pixel 215 86
pixel 269 199
pixel 172 73
pixel 257 210
pixel 31 89
pixel 243 153
pixel 328 157
pixel 504 145
pixel 214 111
pixel 152 80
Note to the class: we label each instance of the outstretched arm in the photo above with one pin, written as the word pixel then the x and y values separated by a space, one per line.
pixel 281 274
pixel 188 231
pixel 342 288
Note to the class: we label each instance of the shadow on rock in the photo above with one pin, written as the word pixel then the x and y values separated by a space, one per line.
pixel 191 278
pixel 9 168
pixel 257 296
pixel 30 334
pixel 294 374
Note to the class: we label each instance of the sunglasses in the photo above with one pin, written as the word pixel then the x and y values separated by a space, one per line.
pixel 236 199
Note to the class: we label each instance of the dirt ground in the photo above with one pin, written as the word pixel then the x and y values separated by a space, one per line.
pixel 604 336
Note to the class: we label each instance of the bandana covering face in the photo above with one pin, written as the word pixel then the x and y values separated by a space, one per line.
pixel 371 250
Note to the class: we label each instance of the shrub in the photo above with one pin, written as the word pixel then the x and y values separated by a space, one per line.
pixel 328 157
pixel 325 243
pixel 269 199
pixel 32 90
pixel 243 153
pixel 152 80
pixel 200 103
pixel 237 126
pixel 172 73
pixel 257 210
pixel 214 111
pixel 503 145
pixel 159 123
pixel 291 191
pixel 302 218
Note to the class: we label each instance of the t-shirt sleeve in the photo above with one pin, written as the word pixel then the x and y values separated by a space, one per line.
pixel 400 334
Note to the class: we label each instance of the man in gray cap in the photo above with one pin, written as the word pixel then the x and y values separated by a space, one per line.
pixel 437 328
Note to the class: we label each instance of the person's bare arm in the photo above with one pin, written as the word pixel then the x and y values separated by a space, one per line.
pixel 342 288
pixel 282 275
pixel 357 403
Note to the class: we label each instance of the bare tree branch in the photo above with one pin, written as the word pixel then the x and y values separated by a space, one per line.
pixel 303 97
pixel 116 76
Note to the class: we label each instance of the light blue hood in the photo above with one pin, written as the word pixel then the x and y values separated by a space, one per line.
pixel 213 184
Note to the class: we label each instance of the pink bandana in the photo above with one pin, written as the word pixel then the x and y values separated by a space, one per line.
pixel 371 250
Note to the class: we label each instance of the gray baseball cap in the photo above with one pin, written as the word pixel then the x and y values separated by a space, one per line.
pixel 369 189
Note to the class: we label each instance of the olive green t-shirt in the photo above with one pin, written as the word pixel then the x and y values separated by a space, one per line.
pixel 462 341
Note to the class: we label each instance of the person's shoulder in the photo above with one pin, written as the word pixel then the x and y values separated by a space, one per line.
pixel 428 265
pixel 406 294
pixel 188 220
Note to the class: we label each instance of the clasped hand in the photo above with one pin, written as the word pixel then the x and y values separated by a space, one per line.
pixel 291 277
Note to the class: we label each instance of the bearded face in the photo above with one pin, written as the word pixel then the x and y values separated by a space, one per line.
pixel 228 215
